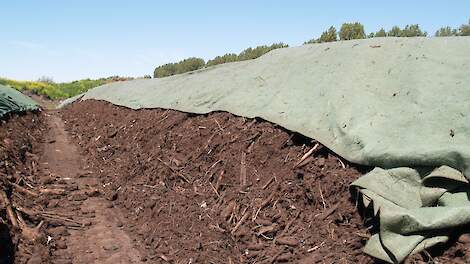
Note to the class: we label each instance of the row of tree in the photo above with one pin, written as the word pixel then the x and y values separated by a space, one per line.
pixel 192 64
pixel 463 30
pixel 347 31
pixel 356 30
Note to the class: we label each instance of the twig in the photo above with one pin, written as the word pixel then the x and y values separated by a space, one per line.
pixel 10 213
pixel 243 170
pixel 215 190
pixel 327 213
pixel 165 258
pixel 220 127
pixel 268 183
pixel 321 195
pixel 212 166
pixel 52 191
pixel 307 154
pixel 219 180
pixel 174 170
pixel 242 220
pixel 286 228
pixel 23 190
pixel 263 204
pixel 315 247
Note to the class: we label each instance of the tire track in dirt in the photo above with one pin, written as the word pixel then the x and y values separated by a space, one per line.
pixel 103 240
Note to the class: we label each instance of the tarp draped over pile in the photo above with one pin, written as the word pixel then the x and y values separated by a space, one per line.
pixel 385 102
pixel 12 101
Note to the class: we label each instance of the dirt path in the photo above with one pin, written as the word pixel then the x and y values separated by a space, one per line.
pixel 103 240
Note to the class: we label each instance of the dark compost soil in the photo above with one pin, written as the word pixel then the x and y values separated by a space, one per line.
pixel 218 188
pixel 20 144
pixel 180 188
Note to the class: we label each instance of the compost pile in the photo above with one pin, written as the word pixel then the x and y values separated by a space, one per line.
pixel 218 188
pixel 21 136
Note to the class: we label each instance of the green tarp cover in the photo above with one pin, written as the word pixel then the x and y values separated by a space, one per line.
pixel 384 102
pixel 13 101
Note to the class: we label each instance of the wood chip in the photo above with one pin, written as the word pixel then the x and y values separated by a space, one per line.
pixel 288 241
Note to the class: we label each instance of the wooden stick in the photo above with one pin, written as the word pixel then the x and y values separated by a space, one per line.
pixel 243 170
pixel 10 213
pixel 23 190
pixel 212 166
pixel 52 191
pixel 242 220
pixel 219 180
pixel 321 195
pixel 218 124
pixel 307 154
pixel 268 183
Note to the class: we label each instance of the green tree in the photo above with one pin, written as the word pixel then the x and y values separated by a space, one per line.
pixel 413 31
pixel 186 65
pixel 446 32
pixel 352 31
pixel 229 57
pixel 165 70
pixel 253 53
pixel 381 33
pixel 371 35
pixel 394 32
pixel 190 64
pixel 464 29
pixel 329 35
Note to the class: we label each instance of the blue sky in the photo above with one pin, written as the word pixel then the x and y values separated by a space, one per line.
pixel 69 40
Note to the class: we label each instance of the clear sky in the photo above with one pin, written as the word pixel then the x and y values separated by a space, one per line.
pixel 69 40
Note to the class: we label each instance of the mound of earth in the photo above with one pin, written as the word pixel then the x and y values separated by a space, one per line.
pixel 21 136
pixel 218 188
pixel 162 186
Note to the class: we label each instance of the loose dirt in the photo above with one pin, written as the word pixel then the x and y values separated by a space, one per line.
pixel 81 225
pixel 104 241
pixel 218 188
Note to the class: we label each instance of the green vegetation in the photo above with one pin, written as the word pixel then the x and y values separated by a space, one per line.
pixel 356 30
pixel 463 30
pixel 350 31
pixel 446 32
pixel 46 87
pixel 413 31
pixel 229 57
pixel 327 36
pixel 186 65
pixel 249 53
pixel 192 64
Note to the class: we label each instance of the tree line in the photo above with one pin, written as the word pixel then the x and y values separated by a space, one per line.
pixel 347 31
pixel 193 63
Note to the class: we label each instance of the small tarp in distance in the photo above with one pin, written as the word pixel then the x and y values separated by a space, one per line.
pixel 12 101
pixel 399 104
